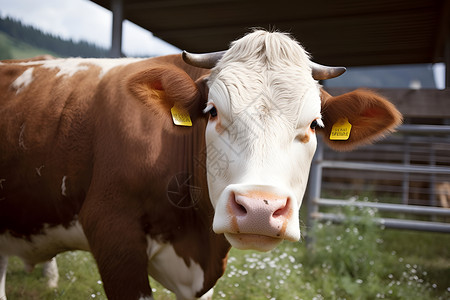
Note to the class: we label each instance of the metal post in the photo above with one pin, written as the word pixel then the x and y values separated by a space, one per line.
pixel 315 180
pixel 116 42
pixel 432 162
pixel 406 161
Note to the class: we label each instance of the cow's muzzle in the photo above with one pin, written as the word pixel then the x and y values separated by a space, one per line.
pixel 256 217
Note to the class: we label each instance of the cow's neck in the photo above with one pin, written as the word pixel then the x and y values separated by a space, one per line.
pixel 193 237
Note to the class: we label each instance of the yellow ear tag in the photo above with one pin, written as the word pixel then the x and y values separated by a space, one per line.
pixel 180 116
pixel 341 130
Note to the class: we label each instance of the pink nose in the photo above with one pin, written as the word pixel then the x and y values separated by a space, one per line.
pixel 259 213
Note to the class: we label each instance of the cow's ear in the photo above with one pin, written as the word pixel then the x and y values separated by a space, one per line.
pixel 202 86
pixel 164 86
pixel 370 115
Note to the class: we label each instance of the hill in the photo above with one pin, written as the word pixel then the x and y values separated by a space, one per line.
pixel 11 48
pixel 22 41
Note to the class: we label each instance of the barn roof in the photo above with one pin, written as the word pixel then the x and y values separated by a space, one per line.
pixel 344 32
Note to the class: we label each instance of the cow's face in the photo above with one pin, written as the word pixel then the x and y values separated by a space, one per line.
pixel 265 107
pixel 263 113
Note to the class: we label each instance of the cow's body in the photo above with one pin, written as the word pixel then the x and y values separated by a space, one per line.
pixel 90 159
pixel 80 162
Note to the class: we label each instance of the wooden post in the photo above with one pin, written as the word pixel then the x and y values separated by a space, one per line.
pixel 447 62
pixel 116 42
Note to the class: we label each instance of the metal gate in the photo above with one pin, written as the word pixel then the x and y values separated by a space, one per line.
pixel 405 172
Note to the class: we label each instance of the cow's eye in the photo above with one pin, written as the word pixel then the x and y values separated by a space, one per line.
pixel 213 112
pixel 314 124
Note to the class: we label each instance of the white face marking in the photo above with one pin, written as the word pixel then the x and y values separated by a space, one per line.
pixel 63 186
pixel 23 80
pixel 70 66
pixel 170 270
pixel 260 145
pixel 45 246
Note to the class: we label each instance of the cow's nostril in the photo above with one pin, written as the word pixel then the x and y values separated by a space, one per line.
pixel 282 211
pixel 238 208
pixel 242 209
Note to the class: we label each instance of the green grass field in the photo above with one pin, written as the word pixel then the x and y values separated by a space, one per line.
pixel 349 261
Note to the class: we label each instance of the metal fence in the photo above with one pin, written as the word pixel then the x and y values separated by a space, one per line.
pixel 401 175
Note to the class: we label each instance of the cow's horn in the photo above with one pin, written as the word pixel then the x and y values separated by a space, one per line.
pixel 320 72
pixel 204 60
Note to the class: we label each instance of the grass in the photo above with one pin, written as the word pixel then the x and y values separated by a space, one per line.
pixel 349 261
pixel 78 279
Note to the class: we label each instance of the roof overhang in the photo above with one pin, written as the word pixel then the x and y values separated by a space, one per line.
pixel 346 32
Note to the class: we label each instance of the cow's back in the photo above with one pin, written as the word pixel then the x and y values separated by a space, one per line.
pixel 45 150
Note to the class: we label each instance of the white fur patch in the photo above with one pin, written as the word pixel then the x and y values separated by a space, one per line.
pixel 3 268
pixel 38 170
pixel 170 270
pixel 43 247
pixel 208 295
pixel 63 186
pixel 21 138
pixel 23 80
pixel 50 270
pixel 70 66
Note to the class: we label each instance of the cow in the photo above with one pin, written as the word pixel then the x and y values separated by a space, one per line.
pixel 158 166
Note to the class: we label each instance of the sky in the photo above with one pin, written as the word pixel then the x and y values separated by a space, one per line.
pixel 83 20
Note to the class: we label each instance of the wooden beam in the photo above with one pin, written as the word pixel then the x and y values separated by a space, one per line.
pixel 116 42
pixel 442 51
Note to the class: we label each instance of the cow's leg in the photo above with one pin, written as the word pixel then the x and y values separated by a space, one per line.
pixel 3 267
pixel 183 277
pixel 118 244
pixel 50 271
pixel 122 263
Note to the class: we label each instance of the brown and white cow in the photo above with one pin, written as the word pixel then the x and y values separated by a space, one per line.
pixel 90 158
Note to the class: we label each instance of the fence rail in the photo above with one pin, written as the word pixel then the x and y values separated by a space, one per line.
pixel 385 167
pixel 419 152
pixel 398 208
pixel 392 223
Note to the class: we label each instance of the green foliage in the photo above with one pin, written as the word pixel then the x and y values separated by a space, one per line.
pixel 11 48
pixel 354 260
pixel 38 39
pixel 5 49
pixel 358 264
pixel 350 248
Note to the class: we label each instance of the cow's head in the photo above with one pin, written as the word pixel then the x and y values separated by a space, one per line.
pixel 265 107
